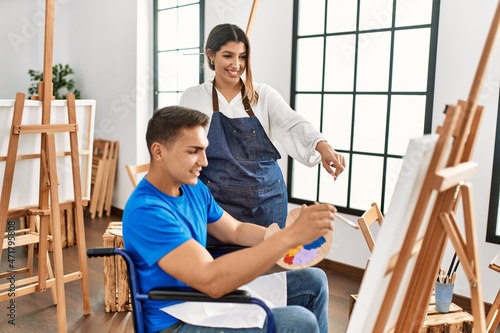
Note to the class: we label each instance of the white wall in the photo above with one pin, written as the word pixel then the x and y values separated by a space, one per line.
pixel 21 30
pixel 108 43
pixel 114 66
pixel 99 39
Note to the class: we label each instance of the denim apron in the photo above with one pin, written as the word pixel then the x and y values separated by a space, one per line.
pixel 243 172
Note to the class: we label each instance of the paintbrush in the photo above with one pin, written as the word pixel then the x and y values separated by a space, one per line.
pixel 343 219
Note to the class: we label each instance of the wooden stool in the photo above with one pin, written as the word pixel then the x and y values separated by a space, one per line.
pixel 456 320
pixel 116 289
pixel 67 219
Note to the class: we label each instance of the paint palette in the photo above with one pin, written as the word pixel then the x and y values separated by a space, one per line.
pixel 305 255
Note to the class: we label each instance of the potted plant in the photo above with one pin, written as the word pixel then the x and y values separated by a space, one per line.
pixel 62 84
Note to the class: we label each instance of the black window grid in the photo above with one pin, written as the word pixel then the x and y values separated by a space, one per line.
pixel 349 154
pixel 156 51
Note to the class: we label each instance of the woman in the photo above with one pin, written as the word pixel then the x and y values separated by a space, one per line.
pixel 243 173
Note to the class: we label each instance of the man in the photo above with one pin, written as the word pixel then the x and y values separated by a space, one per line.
pixel 165 225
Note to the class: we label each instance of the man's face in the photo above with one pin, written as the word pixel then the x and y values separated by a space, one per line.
pixel 185 157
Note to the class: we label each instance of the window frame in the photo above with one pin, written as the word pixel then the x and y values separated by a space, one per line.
pixel 348 154
pixel 493 218
pixel 156 52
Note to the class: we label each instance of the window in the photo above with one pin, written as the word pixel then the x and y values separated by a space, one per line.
pixel 493 229
pixel 178 48
pixel 362 73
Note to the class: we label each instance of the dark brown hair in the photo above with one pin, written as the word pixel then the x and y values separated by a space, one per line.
pixel 220 36
pixel 166 123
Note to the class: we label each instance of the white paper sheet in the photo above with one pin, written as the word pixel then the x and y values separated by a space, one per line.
pixel 269 288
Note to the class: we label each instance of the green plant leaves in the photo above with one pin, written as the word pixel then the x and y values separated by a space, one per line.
pixel 62 84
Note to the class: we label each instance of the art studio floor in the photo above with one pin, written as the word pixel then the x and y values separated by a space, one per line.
pixel 35 312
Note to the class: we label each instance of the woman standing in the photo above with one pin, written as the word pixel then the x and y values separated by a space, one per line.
pixel 246 117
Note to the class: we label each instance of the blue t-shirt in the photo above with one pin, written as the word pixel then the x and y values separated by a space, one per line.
pixel 155 224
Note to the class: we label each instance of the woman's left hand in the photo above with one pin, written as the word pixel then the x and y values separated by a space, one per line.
pixel 333 162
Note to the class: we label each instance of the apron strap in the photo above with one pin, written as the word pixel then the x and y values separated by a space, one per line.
pixel 246 103
pixel 215 98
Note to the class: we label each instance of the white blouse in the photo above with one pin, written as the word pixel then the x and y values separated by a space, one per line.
pixel 281 124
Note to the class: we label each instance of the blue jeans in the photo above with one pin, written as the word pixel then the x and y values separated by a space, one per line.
pixel 306 311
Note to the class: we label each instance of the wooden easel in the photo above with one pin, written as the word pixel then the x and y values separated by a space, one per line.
pixel 493 317
pixel 48 208
pixel 447 175
pixel 251 18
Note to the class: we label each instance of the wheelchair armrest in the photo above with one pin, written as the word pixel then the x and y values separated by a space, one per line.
pixel 187 294
pixel 101 252
pixel 221 249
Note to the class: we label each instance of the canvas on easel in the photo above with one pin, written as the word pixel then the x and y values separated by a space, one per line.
pixel 28 164
pixel 389 241
pixel 398 283
pixel 58 169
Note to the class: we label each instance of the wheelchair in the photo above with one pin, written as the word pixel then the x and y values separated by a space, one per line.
pixel 173 293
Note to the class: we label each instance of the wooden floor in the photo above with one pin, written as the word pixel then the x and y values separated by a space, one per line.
pixel 36 312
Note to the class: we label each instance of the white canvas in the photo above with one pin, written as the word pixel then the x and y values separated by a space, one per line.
pixel 27 171
pixel 391 236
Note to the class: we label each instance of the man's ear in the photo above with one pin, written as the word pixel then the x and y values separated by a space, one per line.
pixel 156 151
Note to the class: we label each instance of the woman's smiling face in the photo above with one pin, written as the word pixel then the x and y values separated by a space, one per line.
pixel 230 62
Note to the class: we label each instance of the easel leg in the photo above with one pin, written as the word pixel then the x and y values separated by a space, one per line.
pixel 493 318
pixel 44 219
pixel 79 220
pixel 472 255
pixel 429 257
pixel 31 247
pixel 56 227
pixel 10 164
pixel 467 253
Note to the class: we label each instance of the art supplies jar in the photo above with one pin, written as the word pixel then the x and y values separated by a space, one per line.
pixel 443 294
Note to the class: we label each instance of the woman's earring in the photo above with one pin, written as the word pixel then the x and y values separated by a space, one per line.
pixel 211 62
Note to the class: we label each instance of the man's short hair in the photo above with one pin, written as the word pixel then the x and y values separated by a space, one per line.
pixel 166 123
